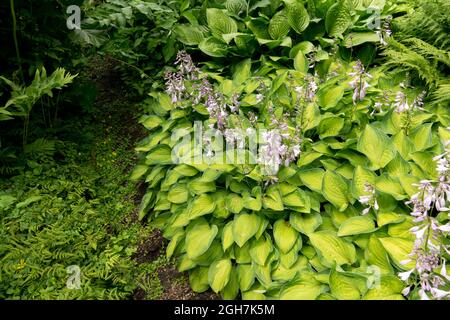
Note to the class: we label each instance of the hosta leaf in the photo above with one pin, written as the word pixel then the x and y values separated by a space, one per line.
pixel 356 225
pixel 388 288
pixel 305 223
pixel 138 172
pixel 375 254
pixel 304 290
pixel 338 19
pixel 376 146
pixel 236 6
pixel 200 186
pixel 361 177
pixel 188 34
pixel 272 199
pixel 330 127
pixel 403 144
pixel 198 279
pixel 220 23
pixel 227 236
pixel 356 38
pixel 245 226
pixel 176 239
pixel 278 26
pixel 329 97
pixel 161 154
pixel 384 218
pixel 231 290
pixel 234 203
pixel 421 137
pixel 199 236
pixel 200 206
pixel 342 287
pixel 398 249
pixel 213 47
pixel 297 15
pixel 219 274
pixel 285 236
pixel 300 62
pixel 332 248
pixel 178 193
pixel 312 178
pixel 246 276
pixel 335 190
pixel 390 185
pixel 260 250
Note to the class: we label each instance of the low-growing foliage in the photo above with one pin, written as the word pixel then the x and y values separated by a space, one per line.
pixel 320 208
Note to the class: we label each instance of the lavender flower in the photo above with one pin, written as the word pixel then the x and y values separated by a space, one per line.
pixel 359 83
pixel 429 233
pixel 369 199
pixel 401 103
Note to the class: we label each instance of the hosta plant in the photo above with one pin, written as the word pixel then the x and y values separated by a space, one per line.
pixel 317 206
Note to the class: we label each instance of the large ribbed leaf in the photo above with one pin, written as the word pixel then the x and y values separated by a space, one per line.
pixel 297 15
pixel 278 26
pixel 213 47
pixel 220 23
pixel 377 146
pixel 335 190
pixel 338 18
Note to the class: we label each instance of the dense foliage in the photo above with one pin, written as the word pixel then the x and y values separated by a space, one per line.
pixel 295 149
pixel 323 205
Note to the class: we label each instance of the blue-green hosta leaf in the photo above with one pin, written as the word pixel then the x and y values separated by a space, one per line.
pixel 198 279
pixel 335 190
pixel 220 23
pixel 377 146
pixel 297 15
pixel 199 236
pixel 285 236
pixel 245 226
pixel 338 19
pixel 356 225
pixel 279 26
pixel 398 250
pixel 213 47
pixel 305 223
pixel 219 274
pixel 332 248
